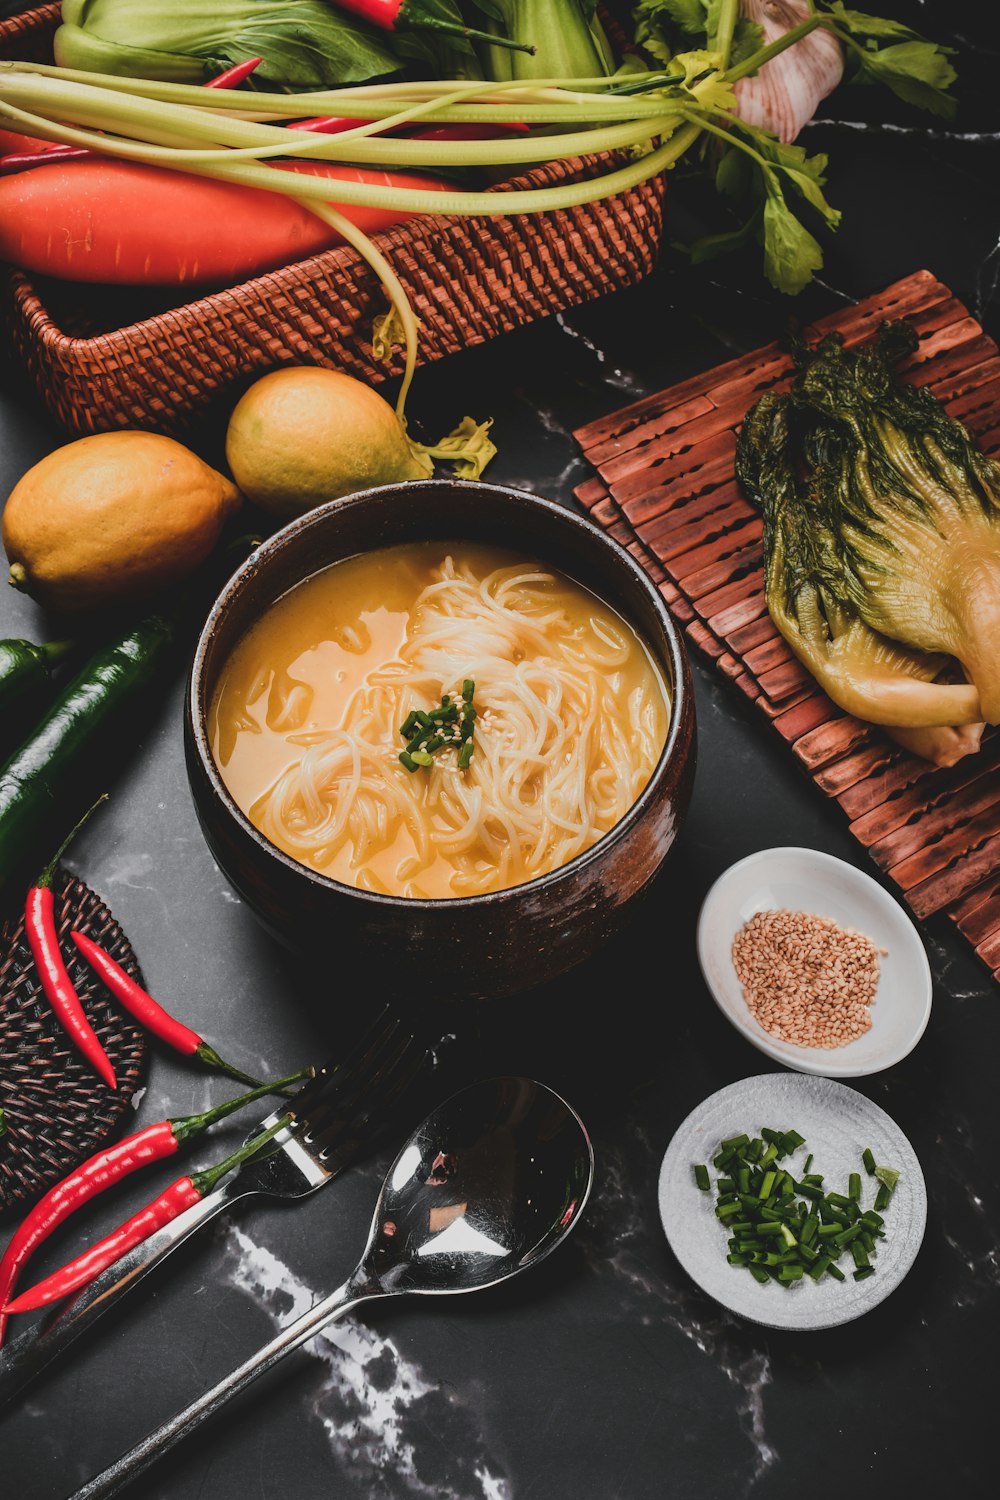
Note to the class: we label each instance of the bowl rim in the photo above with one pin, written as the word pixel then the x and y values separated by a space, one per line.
pixel 681 693
pixel 819 1060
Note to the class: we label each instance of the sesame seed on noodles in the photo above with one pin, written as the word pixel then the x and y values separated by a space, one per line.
pixel 806 979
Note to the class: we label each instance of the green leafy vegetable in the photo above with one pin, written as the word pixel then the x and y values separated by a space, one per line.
pixel 881 536
pixel 303 44
pixel 915 69
pixel 567 36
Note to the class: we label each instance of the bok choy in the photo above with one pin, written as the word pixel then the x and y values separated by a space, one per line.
pixel 881 537
pixel 303 44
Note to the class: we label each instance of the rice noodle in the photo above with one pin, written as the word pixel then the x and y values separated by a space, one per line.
pixel 564 741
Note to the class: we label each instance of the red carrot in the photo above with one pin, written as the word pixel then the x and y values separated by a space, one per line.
pixel 127 224
pixel 43 939
pixel 150 1013
pixel 102 1170
pixel 180 1195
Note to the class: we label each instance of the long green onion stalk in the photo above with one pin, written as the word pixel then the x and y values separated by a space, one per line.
pixel 636 123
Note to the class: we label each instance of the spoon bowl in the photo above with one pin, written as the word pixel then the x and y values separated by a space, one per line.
pixel 489 1184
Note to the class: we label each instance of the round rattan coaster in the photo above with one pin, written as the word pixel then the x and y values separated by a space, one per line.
pixel 56 1110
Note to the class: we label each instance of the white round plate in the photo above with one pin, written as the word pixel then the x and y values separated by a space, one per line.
pixel 799 879
pixel 838 1123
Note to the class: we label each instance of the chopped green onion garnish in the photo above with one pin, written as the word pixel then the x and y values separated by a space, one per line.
pixel 869 1161
pixel 427 733
pixel 779 1227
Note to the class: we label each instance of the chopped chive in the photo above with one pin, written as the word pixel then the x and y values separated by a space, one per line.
pixel 808 1164
pixel 782 1229
pixel 869 1161
pixel 701 1177
pixel 427 733
pixel 863 1272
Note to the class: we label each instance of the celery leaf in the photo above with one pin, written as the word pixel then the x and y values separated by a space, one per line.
pixel 917 72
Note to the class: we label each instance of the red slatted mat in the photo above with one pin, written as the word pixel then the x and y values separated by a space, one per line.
pixel 666 488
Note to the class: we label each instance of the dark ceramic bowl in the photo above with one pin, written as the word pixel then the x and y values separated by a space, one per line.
pixel 494 944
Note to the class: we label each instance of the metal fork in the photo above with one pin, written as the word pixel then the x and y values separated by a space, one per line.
pixel 339 1114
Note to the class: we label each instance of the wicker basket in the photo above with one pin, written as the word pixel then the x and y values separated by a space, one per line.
pixel 102 359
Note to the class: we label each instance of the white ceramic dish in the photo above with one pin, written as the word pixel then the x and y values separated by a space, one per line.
pixel 799 879
pixel 838 1123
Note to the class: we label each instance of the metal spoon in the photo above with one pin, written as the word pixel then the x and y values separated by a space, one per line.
pixel 489 1184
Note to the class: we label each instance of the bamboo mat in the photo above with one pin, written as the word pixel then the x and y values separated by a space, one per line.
pixel 665 486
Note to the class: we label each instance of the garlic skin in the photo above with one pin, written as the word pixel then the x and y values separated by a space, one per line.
pixel 786 91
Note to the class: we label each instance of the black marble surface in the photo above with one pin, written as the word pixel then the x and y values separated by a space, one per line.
pixel 606 1373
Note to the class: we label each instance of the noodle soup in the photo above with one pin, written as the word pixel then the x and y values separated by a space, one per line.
pixel 571 717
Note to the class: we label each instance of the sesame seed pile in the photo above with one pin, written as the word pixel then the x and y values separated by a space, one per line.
pixel 806 979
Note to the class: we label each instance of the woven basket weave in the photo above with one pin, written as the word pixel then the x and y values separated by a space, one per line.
pixel 468 280
pixel 56 1110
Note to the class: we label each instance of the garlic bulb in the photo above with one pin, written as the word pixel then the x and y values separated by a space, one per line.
pixel 786 91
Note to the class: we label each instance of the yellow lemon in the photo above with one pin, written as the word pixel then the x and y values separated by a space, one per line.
pixel 303 435
pixel 113 518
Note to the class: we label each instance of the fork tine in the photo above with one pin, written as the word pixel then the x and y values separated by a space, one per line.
pixel 374 1108
pixel 336 1074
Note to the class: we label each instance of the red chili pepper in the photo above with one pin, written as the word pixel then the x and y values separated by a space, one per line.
pixel 44 153
pixel 150 1013
pixel 102 1170
pixel 180 1195
pixel 468 131
pixel 423 15
pixel 43 938
pixel 234 76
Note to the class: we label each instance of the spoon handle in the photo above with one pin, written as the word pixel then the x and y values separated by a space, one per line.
pixel 138 1459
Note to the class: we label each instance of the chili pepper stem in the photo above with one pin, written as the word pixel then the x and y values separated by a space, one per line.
pixel 430 23
pixel 48 875
pixel 54 651
pixel 193 1124
pixel 208 1055
pixel 205 1180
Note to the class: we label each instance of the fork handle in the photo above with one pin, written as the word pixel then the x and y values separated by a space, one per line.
pixel 25 1357
pixel 138 1459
